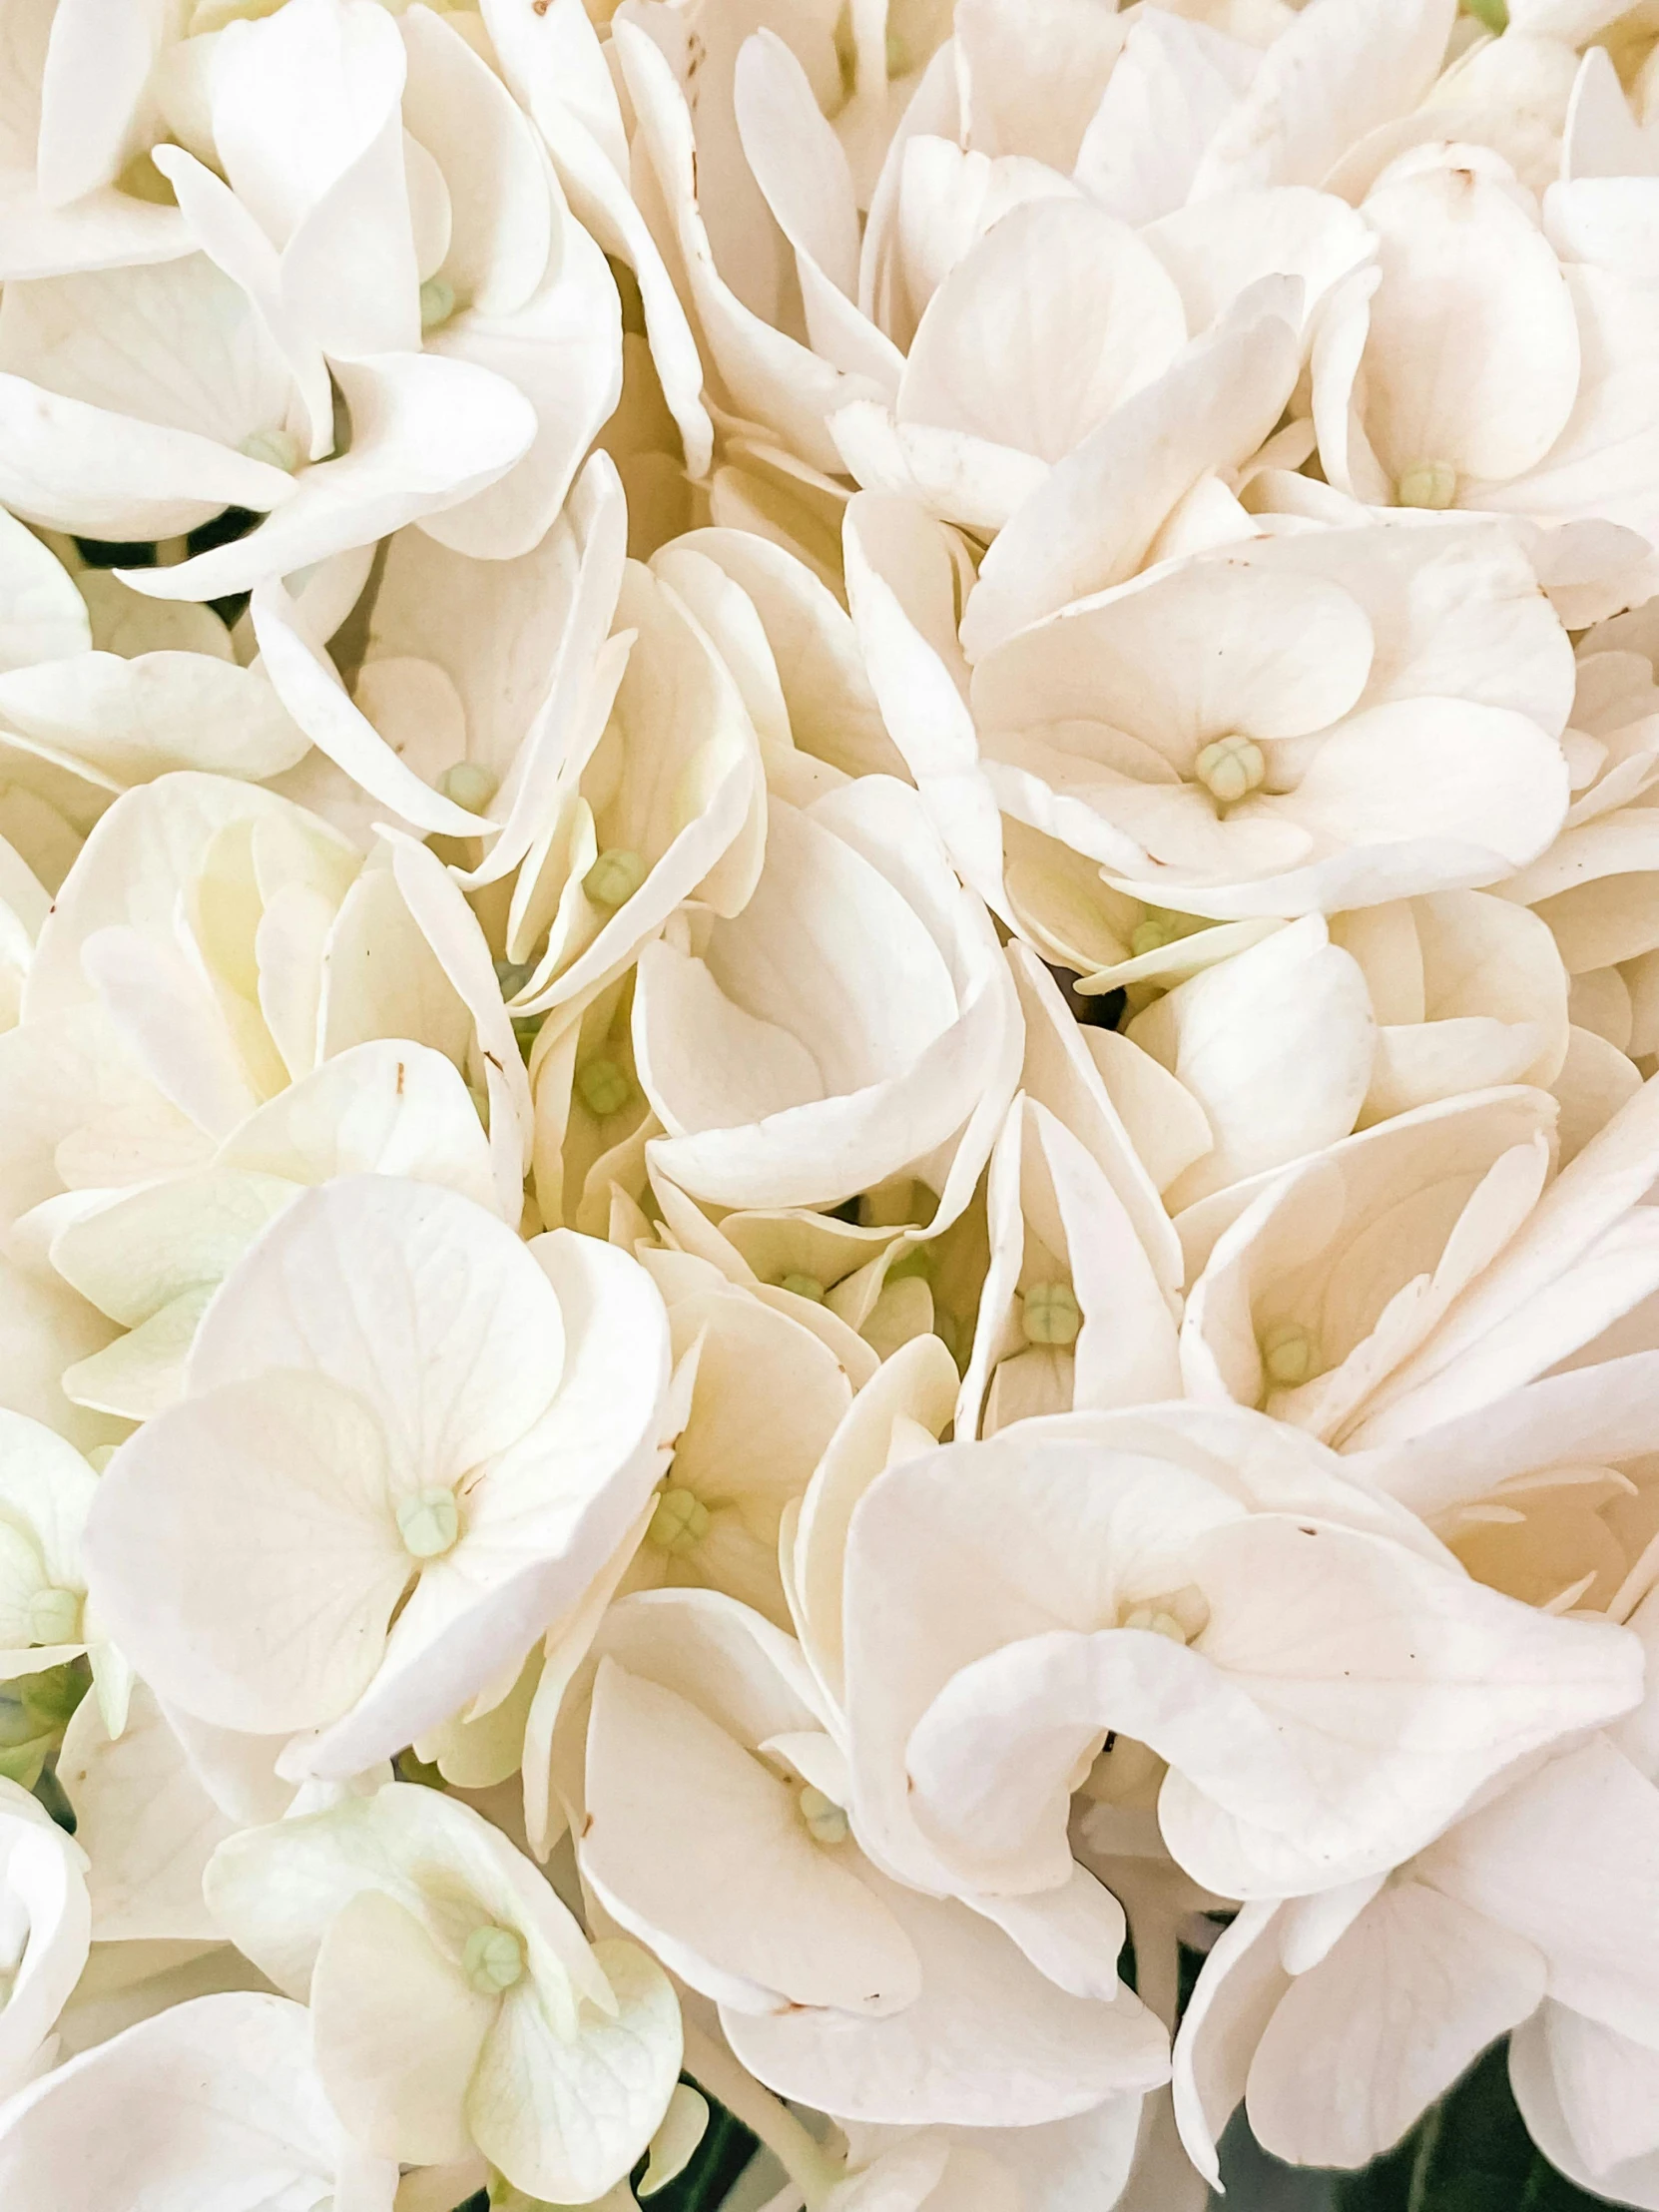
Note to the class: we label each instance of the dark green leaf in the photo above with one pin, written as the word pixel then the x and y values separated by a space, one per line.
pixel 726 2149
pixel 1470 2153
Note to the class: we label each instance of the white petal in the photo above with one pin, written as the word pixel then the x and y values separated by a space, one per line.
pixel 1093 522
pixel 145 1822
pixel 1380 2028
pixel 263 1602
pixel 213 2095
pixel 562 350
pixel 1058 316
pixel 1466 276
pixel 45 617
pixel 1586 2095
pixel 133 720
pixel 1564 1860
pixel 1322 83
pixel 1277 1046
pixel 569 2119
pixel 426 434
pixel 397 2032
pixel 694 1845
pixel 990 2041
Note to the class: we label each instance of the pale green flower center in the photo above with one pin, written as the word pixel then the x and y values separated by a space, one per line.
pixel 615 876
pixel 54 1617
pixel 1179 1614
pixel 469 786
pixel 438 303
pixel 1431 485
pixel 678 1525
pixel 1231 768
pixel 825 1821
pixel 1050 1315
pixel 277 448
pixel 1290 1355
pixel 493 1960
pixel 804 1286
pixel 428 1521
pixel 1152 935
pixel 604 1086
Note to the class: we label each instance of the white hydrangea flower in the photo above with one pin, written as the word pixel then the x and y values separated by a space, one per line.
pixel 395 1547
pixel 556 2059
pixel 1174 1623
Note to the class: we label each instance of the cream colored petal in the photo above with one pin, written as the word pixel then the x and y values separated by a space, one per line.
pixel 698 1847
pixel 146 1823
pixel 397 2032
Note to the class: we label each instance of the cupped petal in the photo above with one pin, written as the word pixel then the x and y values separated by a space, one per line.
pixel 145 1821
pixel 426 433
pixel 129 721
pixel 990 2042
pixel 1277 1045
pixel 1322 83
pixel 306 681
pixel 386 1107
pixel 772 378
pixel 1358 2046
pixel 801 169
pixel 211 2095
pixel 562 352
pixel 1564 1861
pixel 502 217
pixel 45 1888
pixel 1091 524
pixel 1058 316
pixel 1175 81
pixel 560 73
pixel 1467 277
pixel 422 1305
pixel 1203 651
pixel 73 466
pixel 694 1845
pixel 567 2118
pixel 1586 2094
pixel 45 615
pixel 397 2032
pixel 218 1589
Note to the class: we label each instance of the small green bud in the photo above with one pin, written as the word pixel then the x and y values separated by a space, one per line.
pixel 430 1521
pixel 825 1821
pixel 1151 936
pixel 1231 768
pixel 1290 1355
pixel 1430 484
pixel 678 1525
pixel 469 786
pixel 438 303
pixel 493 1960
pixel 1050 1315
pixel 614 877
pixel 604 1086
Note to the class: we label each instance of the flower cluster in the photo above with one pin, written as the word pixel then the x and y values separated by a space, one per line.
pixel 829 1088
